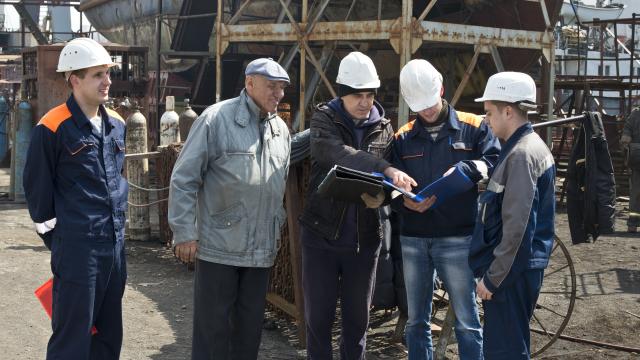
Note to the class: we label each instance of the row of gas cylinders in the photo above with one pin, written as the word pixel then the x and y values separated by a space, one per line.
pixel 173 128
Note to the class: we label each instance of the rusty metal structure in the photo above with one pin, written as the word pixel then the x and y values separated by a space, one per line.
pixel 465 39
pixel 308 36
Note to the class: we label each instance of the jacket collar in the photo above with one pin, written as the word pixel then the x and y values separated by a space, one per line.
pixel 248 110
pixel 521 132
pixel 337 108
pixel 80 118
pixel 451 123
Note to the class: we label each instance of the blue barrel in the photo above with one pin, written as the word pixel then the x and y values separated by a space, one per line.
pixel 24 124
pixel 4 128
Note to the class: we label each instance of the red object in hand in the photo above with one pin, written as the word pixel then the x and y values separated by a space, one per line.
pixel 45 294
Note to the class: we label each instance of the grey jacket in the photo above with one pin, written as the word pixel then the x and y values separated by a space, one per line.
pixel 228 184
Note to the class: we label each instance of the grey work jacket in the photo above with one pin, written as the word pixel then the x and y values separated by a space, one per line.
pixel 228 184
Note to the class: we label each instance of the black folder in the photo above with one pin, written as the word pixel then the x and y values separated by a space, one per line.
pixel 347 184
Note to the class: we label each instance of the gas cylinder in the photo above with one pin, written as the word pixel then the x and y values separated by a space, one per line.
pixel 24 124
pixel 4 127
pixel 187 118
pixel 169 127
pixel 138 176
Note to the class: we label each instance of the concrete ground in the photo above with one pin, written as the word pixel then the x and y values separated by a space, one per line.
pixel 158 299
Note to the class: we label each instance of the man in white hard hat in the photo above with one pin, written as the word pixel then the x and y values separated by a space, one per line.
pixel 225 210
pixel 341 240
pixel 514 231
pixel 437 239
pixel 78 198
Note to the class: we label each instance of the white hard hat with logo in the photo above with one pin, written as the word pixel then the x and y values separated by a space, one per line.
pixel 357 71
pixel 510 87
pixel 82 53
pixel 420 84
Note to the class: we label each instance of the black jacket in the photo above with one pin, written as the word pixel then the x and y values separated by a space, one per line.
pixel 591 186
pixel 333 142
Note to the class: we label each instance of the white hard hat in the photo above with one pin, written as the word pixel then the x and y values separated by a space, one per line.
pixel 420 84
pixel 357 71
pixel 511 87
pixel 82 53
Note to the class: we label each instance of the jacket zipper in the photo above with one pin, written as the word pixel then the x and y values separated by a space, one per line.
pixel 357 233
pixel 337 234
pixel 364 141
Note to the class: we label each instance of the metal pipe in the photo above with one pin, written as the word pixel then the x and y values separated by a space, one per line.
pixel 552 71
pixel 466 76
pixel 631 58
pixel 234 19
pixel 43 3
pixel 303 69
pixel 158 65
pixel 186 17
pixel 218 52
pixel 426 11
pixel 405 55
pixel 560 121
pixel 590 342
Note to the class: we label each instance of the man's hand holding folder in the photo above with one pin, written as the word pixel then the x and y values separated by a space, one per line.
pixel 452 183
pixel 351 185
pixel 347 184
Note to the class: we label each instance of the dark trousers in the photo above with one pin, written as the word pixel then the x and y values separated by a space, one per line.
pixel 88 284
pixel 228 311
pixel 506 318
pixel 327 274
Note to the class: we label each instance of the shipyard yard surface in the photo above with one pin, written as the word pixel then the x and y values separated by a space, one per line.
pixel 158 299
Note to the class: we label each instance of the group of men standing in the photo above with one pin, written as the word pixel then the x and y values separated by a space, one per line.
pixel 226 211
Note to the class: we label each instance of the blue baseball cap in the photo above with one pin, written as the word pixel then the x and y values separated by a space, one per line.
pixel 267 68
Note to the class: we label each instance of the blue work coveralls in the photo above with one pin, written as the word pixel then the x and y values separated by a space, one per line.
pixel 73 174
pixel 512 241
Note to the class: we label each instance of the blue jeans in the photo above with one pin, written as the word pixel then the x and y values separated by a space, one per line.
pixel 448 256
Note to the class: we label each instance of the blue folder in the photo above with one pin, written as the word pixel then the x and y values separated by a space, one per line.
pixel 444 188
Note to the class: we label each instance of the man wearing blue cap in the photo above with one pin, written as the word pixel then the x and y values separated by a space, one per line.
pixel 225 210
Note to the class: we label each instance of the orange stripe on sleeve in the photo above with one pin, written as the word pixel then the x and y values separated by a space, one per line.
pixel 55 117
pixel 469 118
pixel 405 128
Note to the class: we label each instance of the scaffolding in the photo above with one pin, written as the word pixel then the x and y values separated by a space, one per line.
pixel 312 43
pixel 598 42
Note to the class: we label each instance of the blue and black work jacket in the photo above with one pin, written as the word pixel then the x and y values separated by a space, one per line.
pixel 515 225
pixel 464 141
pixel 74 174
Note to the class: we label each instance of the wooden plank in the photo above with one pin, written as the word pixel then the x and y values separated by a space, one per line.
pixel 293 198
pixel 282 304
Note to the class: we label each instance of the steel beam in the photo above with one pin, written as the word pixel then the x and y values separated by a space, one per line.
pixel 384 30
pixel 405 56
pixel 473 34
